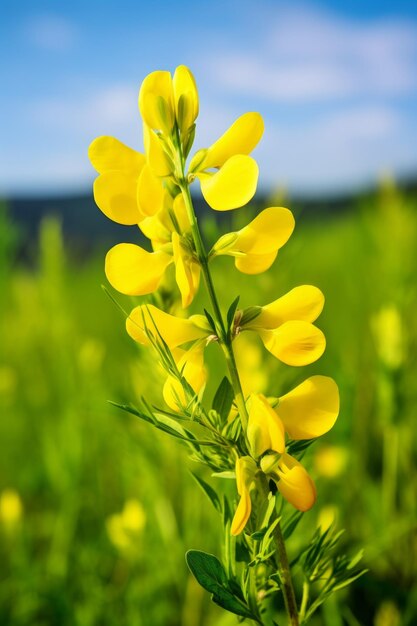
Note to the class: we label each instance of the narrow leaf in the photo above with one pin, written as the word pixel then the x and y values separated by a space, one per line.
pixel 223 399
pixel 209 491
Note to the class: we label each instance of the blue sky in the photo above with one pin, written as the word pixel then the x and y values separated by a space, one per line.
pixel 335 81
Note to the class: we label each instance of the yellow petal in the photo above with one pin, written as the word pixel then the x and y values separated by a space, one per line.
pixel 233 185
pixel 150 192
pixel 180 213
pixel 115 195
pixel 311 409
pixel 241 138
pixel 301 303
pixel 265 429
pixel 156 229
pixel 242 514
pixel 185 88
pixel 248 355
pixel 187 271
pixel 156 101
pixel 155 154
pixel 295 343
pixel 175 331
pixel 255 263
pixel 245 475
pixel 294 484
pixel 267 233
pixel 108 153
pixel 133 271
pixel 191 365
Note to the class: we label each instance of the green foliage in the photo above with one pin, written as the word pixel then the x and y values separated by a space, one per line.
pixel 223 399
pixel 322 563
pixel 209 572
pixel 75 460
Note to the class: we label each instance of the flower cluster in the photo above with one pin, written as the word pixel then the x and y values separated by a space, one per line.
pixel 151 190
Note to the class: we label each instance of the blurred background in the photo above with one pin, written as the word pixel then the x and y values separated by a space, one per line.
pixel 96 510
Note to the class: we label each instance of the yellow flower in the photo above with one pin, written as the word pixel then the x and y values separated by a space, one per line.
pixel 234 184
pixel 132 270
pixel 115 189
pixel 306 412
pixel 255 247
pixel 285 326
pixel 245 479
pixel 310 409
pixel 187 270
pixel 135 188
pixel 248 356
pixel 175 331
pixel 265 429
pixel 164 99
pixel 191 365
pixel 291 479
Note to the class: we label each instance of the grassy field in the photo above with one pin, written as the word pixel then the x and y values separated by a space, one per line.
pixel 97 509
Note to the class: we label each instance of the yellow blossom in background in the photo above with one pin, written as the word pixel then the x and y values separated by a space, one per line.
pixel 125 528
pixel 8 381
pixel 11 509
pixel 388 330
pixel 330 461
pixel 327 516
pixel 91 355
pixel 388 614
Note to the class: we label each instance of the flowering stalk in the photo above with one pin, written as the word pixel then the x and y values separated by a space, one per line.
pixel 257 440
pixel 285 574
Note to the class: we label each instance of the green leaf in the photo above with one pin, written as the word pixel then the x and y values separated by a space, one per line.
pixel 231 313
pixel 250 314
pixel 210 574
pixel 223 399
pixel 291 524
pixel 348 581
pixel 210 321
pixel 209 491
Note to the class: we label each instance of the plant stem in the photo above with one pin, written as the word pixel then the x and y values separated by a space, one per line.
pixel 304 600
pixel 285 577
pixel 225 343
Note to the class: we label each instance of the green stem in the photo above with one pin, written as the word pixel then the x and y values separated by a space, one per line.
pixel 284 568
pixel 285 577
pixel 218 318
pixel 304 600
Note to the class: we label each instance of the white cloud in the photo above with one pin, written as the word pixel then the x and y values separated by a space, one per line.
pixel 51 32
pixel 308 55
pixel 335 151
pixel 109 110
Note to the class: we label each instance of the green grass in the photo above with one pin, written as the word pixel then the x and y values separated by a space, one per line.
pixel 75 460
